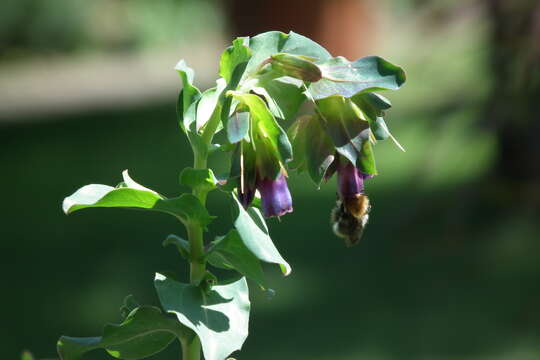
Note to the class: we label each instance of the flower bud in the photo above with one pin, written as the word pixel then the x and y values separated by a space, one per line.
pixel 275 196
pixel 296 66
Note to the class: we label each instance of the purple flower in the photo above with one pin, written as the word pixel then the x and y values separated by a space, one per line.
pixel 350 180
pixel 275 196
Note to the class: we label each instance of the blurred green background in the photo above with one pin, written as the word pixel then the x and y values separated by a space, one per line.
pixel 448 267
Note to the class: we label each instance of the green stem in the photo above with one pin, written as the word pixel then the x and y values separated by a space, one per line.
pixel 197 266
pixel 191 350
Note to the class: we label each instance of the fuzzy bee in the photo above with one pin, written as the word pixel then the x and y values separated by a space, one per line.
pixel 349 218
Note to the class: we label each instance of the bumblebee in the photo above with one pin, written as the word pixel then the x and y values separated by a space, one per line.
pixel 350 217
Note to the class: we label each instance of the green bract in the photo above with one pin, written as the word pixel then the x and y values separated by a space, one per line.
pixel 264 80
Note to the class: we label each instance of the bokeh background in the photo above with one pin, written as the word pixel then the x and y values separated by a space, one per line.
pixel 449 266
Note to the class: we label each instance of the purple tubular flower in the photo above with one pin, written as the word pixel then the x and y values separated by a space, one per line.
pixel 275 196
pixel 350 180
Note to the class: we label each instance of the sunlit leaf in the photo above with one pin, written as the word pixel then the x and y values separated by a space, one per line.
pixel 253 232
pixel 342 77
pixel 238 127
pixel 266 44
pixel 188 96
pixel 219 317
pixel 130 194
pixel 236 54
pixel 209 103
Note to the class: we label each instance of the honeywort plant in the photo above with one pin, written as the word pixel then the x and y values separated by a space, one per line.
pixel 263 82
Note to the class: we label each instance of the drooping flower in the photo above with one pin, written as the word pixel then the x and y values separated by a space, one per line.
pixel 351 187
pixel 275 196
pixel 350 180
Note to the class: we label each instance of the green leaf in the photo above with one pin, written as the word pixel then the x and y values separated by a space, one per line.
pixel 182 245
pixel 200 179
pixel 284 96
pixel 319 150
pixel 296 66
pixel 373 106
pixel 269 43
pixel 146 331
pixel 236 54
pixel 133 195
pixel 379 129
pixel 366 160
pixel 188 96
pixel 209 103
pixel 238 127
pixel 274 137
pixel 230 252
pixel 344 125
pixel 228 105
pixel 254 233
pixel 219 317
pixel 368 74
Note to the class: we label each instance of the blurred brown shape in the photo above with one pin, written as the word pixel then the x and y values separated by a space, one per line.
pixel 515 66
pixel 344 27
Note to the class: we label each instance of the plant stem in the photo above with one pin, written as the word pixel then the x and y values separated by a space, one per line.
pixel 191 350
pixel 197 266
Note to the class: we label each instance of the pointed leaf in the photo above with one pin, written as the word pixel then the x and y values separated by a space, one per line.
pixel 236 54
pixel 219 317
pixel 254 233
pixel 133 195
pixel 188 95
pixel 372 106
pixel 366 160
pixel 229 104
pixel 379 129
pixel 144 332
pixel 368 74
pixel 230 252
pixel 209 103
